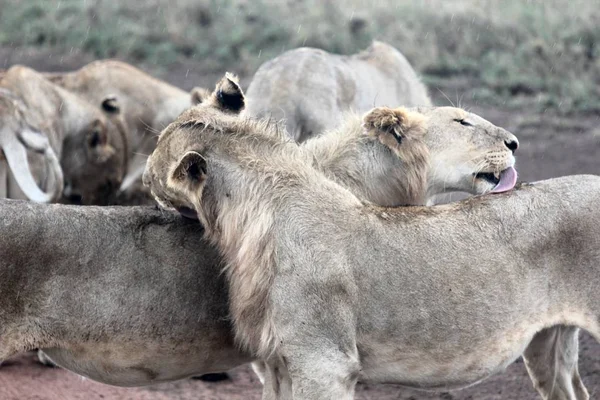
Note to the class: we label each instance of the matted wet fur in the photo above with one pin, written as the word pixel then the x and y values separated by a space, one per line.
pixel 310 89
pixel 327 289
pixel 88 142
pixel 382 158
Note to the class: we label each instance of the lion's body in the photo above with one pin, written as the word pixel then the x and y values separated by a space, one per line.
pixel 68 122
pixel 327 289
pixel 146 308
pixel 311 89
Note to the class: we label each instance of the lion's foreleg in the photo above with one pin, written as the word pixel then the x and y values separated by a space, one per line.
pixel 551 360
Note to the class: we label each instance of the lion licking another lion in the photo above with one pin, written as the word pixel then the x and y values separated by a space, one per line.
pixel 326 289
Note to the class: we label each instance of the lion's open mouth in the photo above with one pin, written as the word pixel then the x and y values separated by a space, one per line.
pixel 188 213
pixel 491 177
pixel 502 181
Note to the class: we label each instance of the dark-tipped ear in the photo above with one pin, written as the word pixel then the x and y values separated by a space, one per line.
pixel 191 168
pixel 228 95
pixel 111 105
pixel 199 95
pixel 399 122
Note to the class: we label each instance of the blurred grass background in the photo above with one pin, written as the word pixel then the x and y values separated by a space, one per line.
pixel 506 52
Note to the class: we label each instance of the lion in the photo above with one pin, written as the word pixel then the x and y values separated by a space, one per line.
pixel 147 104
pixel 310 88
pixel 89 144
pixel 475 274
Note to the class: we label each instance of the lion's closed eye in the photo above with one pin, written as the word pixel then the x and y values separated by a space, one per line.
pixel 463 122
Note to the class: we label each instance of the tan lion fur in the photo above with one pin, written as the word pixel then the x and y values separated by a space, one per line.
pixel 400 130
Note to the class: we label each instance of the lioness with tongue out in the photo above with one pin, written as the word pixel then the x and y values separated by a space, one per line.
pixel 374 158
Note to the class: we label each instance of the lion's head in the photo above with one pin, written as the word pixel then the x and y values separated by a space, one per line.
pixel 399 156
pixel 174 179
pixel 94 159
pixel 88 140
pixel 468 153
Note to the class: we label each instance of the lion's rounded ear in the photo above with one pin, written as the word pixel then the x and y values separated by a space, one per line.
pixel 228 94
pixel 199 95
pixel 110 104
pixel 398 122
pixel 191 168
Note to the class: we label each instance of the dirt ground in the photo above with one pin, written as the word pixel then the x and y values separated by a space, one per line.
pixel 550 146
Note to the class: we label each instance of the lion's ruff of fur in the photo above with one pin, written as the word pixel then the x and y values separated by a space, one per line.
pixel 335 151
pixel 246 245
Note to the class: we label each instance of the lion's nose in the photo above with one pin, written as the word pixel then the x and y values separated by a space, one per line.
pixel 512 144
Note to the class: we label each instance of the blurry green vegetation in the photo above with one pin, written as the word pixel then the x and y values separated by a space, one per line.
pixel 507 51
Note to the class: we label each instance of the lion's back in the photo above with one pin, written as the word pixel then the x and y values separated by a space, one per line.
pixel 310 88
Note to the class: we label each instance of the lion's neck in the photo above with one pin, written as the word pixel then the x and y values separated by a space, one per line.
pixel 366 167
pixel 251 201
pixel 241 230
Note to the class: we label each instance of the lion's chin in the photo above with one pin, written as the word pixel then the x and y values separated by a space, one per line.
pixel 188 213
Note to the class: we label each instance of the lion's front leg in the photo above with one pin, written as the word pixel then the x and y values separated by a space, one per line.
pixel 551 360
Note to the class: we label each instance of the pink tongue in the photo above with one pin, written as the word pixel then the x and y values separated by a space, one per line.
pixel 508 179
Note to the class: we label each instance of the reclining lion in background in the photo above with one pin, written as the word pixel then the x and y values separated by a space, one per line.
pixel 170 337
pixel 90 144
pixel 310 89
pixel 313 273
pixel 147 104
